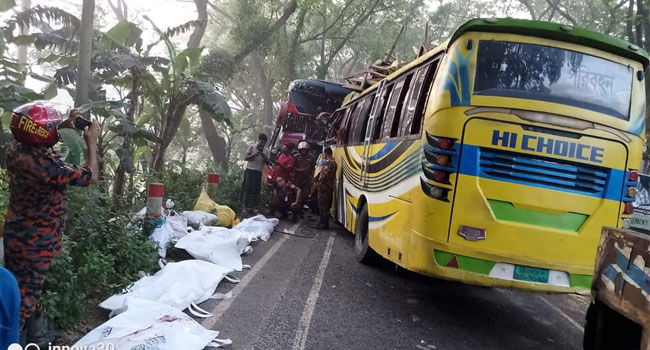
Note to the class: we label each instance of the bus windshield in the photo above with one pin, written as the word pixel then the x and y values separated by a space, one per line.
pixel 551 74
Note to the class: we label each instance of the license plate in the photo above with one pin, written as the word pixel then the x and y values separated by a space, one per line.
pixel 531 274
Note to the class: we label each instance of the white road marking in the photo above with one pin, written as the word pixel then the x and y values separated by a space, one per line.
pixel 300 340
pixel 223 306
pixel 563 314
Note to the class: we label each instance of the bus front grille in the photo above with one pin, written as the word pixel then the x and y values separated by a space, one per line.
pixel 546 172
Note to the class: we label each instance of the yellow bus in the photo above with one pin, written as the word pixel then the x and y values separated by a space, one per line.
pixel 495 158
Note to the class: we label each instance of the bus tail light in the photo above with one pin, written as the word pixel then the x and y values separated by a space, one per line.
pixel 443 160
pixel 440 176
pixel 634 175
pixel 631 192
pixel 629 208
pixel 445 143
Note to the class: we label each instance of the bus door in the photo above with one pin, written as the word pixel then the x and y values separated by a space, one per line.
pixel 375 110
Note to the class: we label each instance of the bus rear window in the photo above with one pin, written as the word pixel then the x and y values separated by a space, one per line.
pixel 551 74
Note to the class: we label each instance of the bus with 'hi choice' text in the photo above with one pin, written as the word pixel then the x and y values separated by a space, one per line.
pixel 496 158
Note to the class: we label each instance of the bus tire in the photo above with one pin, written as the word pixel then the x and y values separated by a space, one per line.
pixel 362 251
pixel 607 329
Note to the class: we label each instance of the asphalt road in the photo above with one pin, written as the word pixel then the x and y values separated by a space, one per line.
pixel 309 293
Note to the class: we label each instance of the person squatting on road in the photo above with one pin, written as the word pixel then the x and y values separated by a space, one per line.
pixel 37 213
pixel 284 164
pixel 286 197
pixel 252 185
pixel 9 309
pixel 325 188
pixel 303 172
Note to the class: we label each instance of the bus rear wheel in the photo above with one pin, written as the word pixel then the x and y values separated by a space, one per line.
pixel 362 250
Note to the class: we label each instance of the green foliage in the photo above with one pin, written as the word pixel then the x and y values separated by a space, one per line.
pixel 228 190
pixel 182 185
pixel 6 5
pixel 127 34
pixel 101 255
pixel 210 100
pixel 217 66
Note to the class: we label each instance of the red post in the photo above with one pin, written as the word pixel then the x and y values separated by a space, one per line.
pixel 213 181
pixel 155 193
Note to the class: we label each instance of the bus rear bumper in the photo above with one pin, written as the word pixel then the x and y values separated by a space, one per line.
pixel 446 261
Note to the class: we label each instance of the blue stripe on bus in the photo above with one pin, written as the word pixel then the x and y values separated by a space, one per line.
pixel 383 151
pixel 379 218
pixel 470 165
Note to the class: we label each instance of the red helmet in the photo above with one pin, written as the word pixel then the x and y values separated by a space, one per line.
pixel 35 123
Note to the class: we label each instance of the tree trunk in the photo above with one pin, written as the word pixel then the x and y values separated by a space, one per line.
pixel 120 173
pixel 120 9
pixel 174 116
pixel 265 87
pixel 530 8
pixel 638 23
pixel 22 49
pixel 85 52
pixel 293 46
pixel 321 73
pixel 215 142
pixel 645 19
pixel 629 23
pixel 176 109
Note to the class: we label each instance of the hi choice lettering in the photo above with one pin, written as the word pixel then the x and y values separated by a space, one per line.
pixel 548 145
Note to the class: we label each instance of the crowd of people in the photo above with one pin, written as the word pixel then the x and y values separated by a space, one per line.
pixel 293 179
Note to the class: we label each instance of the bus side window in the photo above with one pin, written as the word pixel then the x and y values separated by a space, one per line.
pixel 345 126
pixel 361 114
pixel 411 101
pixel 418 116
pixel 380 114
pixel 353 121
pixel 365 116
pixel 334 125
pixel 392 116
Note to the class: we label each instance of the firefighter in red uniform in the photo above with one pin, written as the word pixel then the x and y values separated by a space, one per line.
pixel 325 188
pixel 303 171
pixel 37 212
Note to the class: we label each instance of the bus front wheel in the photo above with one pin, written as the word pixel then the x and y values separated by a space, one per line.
pixel 362 250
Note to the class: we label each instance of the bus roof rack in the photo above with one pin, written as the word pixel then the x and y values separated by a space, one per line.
pixel 555 31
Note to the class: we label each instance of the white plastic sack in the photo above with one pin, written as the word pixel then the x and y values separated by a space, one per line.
pixel 178 284
pixel 218 245
pixel 174 228
pixel 257 227
pixel 197 217
pixel 145 324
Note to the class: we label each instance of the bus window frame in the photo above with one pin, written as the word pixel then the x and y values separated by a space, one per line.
pixel 434 60
pixel 368 101
pixel 334 124
pixel 350 120
pixel 387 129
pixel 437 59
pixel 379 121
